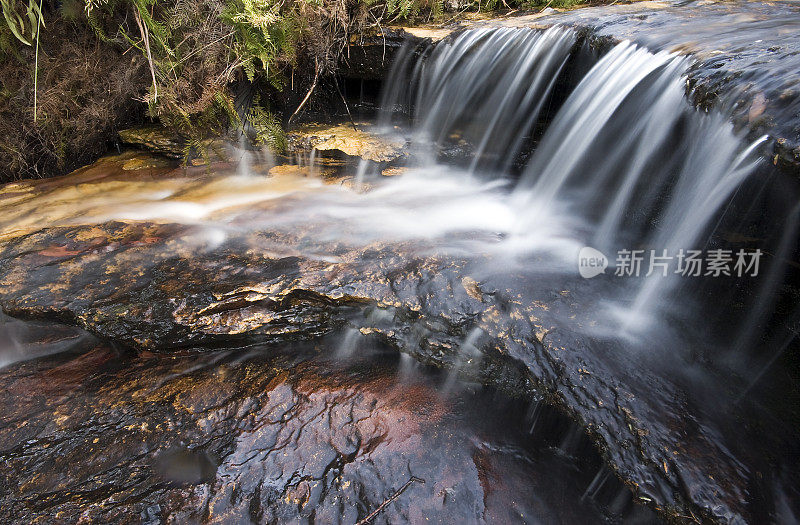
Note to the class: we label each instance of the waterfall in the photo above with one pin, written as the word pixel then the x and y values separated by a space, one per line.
pixel 520 160
pixel 626 163
pixel 626 148
pixel 640 166
pixel 485 88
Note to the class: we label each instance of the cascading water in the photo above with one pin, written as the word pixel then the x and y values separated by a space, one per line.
pixel 639 166
pixel 489 85
pixel 626 163
pixel 468 259
pixel 486 88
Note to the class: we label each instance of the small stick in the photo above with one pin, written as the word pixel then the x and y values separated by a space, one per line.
pixel 308 95
pixel 391 499
pixel 146 40
pixel 346 106
pixel 36 65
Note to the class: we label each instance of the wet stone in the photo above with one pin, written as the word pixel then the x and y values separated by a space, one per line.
pixel 271 435
pixel 161 141
pixel 155 139
pixel 343 140
pixel 169 287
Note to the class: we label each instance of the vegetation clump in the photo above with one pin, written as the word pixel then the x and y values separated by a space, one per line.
pixel 76 71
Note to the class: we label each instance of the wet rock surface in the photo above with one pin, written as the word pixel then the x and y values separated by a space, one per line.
pixel 171 287
pixel 177 287
pixel 370 56
pixel 272 435
pixel 347 140
pixel 155 139
pixel 161 141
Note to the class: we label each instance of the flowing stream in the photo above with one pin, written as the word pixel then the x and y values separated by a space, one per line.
pixel 624 164
pixel 528 172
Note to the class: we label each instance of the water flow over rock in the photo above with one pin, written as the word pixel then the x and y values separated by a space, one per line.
pixel 485 89
pixel 625 164
pixel 638 167
pixel 472 265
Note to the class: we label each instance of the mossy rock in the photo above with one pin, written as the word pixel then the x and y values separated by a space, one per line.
pixel 155 139
pixel 161 141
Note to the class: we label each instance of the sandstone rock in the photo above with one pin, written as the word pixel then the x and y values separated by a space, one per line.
pixel 394 171
pixel 144 163
pixel 161 141
pixel 164 287
pixel 343 140
pixel 155 139
pixel 266 435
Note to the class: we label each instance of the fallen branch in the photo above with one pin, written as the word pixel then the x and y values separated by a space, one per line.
pixel 390 499
pixel 308 95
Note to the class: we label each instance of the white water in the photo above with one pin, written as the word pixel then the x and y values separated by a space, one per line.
pixel 625 163
pixel 488 86
pixel 22 341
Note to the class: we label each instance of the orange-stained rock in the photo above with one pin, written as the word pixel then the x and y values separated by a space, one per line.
pixel 266 436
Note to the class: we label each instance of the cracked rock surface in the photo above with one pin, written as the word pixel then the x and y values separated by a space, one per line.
pixel 168 287
pixel 261 435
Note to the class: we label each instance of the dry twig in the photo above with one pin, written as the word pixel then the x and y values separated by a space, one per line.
pixel 389 500
pixel 310 91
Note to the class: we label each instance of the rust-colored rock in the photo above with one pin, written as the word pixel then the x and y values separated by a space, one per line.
pixel 168 287
pixel 262 435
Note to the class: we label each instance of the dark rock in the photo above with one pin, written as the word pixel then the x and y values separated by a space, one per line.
pixel 148 286
pixel 154 139
pixel 370 56
pixel 258 435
